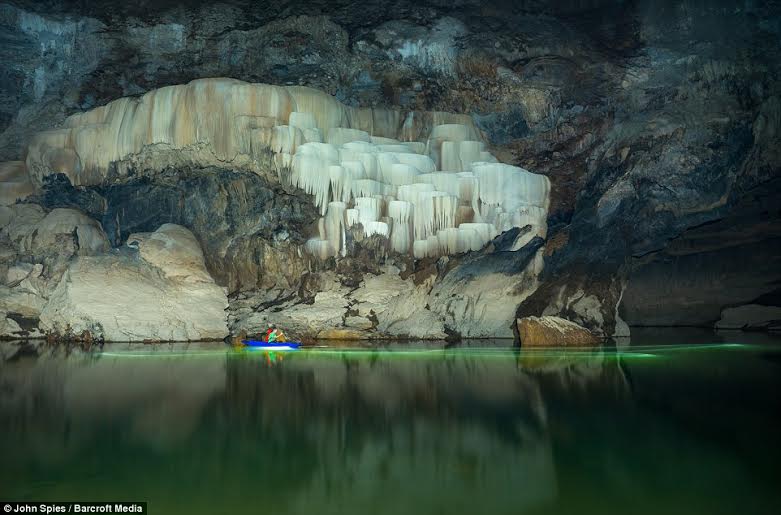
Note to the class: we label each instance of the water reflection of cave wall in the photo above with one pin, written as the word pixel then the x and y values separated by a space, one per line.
pixel 441 424
pixel 319 429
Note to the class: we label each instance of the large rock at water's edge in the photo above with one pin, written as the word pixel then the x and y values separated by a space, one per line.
pixel 550 331
pixel 750 316
pixel 162 292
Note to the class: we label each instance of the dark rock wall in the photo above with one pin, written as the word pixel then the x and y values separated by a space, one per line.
pixel 653 119
pixel 249 227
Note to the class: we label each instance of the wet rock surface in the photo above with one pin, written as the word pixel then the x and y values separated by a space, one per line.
pixel 549 331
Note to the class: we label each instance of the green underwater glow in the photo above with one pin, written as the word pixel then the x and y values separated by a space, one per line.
pixel 584 353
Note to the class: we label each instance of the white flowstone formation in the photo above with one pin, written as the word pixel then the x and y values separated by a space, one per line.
pixel 356 162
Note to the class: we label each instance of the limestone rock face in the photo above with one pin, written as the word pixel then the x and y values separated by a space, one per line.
pixel 663 159
pixel 161 292
pixel 249 226
pixel 477 297
pixel 35 249
pixel 550 331
pixel 15 183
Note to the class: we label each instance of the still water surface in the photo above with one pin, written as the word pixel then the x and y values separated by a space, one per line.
pixel 662 426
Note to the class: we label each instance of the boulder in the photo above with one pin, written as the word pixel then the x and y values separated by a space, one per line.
pixel 750 316
pixel 161 292
pixel 550 331
pixel 60 223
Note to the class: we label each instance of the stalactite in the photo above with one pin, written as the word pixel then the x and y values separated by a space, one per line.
pixel 486 231
pixel 400 211
pixel 352 217
pixel 372 159
pixel 448 240
pixel 442 181
pixel 372 228
pixel 469 239
pixel 368 209
pixel 411 192
pixel 367 188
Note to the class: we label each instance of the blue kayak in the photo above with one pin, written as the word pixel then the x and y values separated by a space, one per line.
pixel 272 346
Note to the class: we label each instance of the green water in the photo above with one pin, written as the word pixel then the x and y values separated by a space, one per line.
pixel 671 424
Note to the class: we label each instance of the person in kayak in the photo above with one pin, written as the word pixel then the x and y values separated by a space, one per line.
pixel 268 332
pixel 276 335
